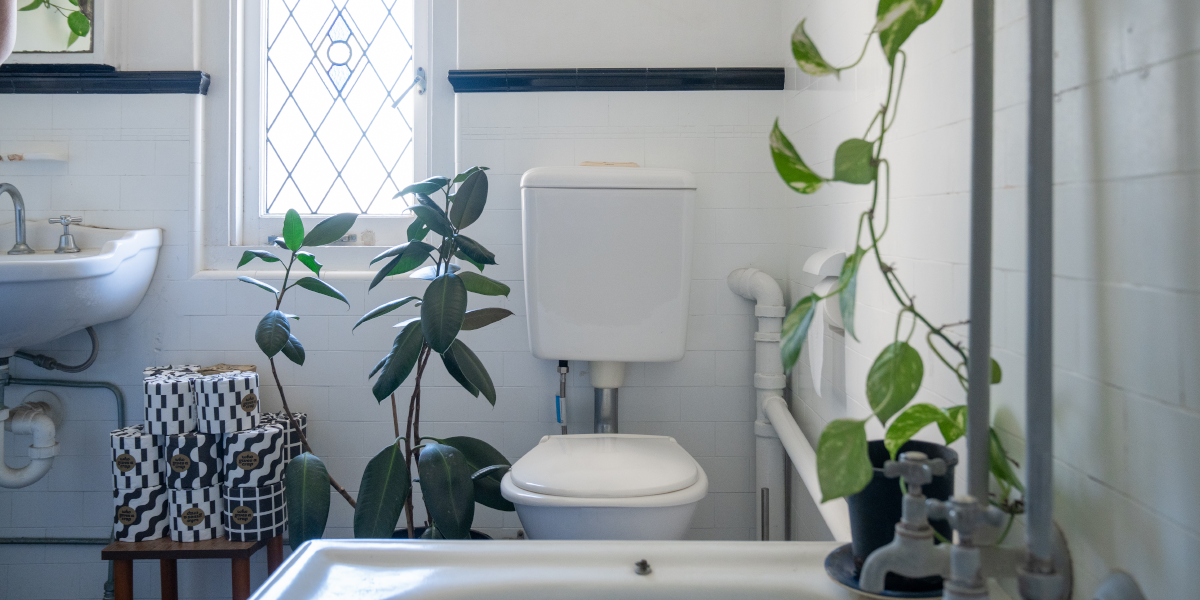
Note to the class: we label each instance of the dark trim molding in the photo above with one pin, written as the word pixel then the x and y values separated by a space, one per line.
pixel 616 80
pixel 98 79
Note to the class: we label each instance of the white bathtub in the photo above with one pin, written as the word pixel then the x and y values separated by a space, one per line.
pixel 533 570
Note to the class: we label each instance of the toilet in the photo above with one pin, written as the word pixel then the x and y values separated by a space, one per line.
pixel 607 258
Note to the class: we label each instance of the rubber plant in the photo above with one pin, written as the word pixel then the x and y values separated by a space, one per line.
pixel 455 472
pixel 309 481
pixel 843 465
pixel 78 16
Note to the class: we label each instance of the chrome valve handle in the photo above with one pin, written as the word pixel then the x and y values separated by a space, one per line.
pixel 66 241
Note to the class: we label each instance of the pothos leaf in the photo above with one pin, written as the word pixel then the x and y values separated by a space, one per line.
pixel 808 58
pixel 795 330
pixel 843 465
pixel 914 419
pixel 790 166
pixel 894 379
pixel 895 20
pixel 79 23
pixel 848 282
pixel 996 373
pixel 998 462
pixel 853 162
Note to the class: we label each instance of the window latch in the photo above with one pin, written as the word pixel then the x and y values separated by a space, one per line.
pixel 418 83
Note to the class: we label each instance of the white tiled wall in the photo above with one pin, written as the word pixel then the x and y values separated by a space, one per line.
pixel 1126 283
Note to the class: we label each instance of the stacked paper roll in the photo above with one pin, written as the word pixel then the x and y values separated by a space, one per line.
pixel 292 446
pixel 193 461
pixel 227 402
pixel 196 514
pixel 137 459
pixel 141 514
pixel 254 458
pixel 253 514
pixel 171 370
pixel 170 405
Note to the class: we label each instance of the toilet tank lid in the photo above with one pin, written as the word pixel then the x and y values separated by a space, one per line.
pixel 609 178
pixel 605 466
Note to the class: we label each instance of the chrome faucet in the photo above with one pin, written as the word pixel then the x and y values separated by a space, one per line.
pixel 19 206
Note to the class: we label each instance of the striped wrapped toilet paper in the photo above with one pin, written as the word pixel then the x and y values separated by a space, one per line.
pixel 171 370
pixel 193 461
pixel 227 402
pixel 170 401
pixel 196 514
pixel 254 458
pixel 140 514
pixel 137 459
pixel 292 446
pixel 253 514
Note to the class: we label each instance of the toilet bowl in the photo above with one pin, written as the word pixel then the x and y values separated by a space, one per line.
pixel 605 487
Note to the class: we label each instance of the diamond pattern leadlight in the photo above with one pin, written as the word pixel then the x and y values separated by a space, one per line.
pixel 334 142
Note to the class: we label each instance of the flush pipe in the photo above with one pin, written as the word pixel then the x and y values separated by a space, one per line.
pixel 774 427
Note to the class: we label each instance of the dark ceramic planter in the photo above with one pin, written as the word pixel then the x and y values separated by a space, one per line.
pixel 402 534
pixel 875 510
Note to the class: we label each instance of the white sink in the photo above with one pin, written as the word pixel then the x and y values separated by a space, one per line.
pixel 44 296
pixel 533 570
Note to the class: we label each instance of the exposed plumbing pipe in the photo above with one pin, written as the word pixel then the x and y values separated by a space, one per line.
pixel 836 512
pixel 48 362
pixel 30 419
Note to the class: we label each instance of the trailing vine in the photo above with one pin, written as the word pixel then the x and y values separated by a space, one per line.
pixel 843 464
pixel 78 16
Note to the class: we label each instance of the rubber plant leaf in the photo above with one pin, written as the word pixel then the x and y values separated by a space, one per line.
pixel 272 333
pixel 848 283
pixel 843 465
pixel 310 261
pixel 437 222
pixel 453 369
pixel 330 230
pixel 790 166
pixel 795 330
pixel 894 379
pixel 428 186
pixel 293 230
pixel 462 256
pixel 469 200
pixel 313 284
pixel 293 350
pixel 447 489
pixel 808 58
pixel 417 230
pixel 385 485
pixel 854 162
pixel 406 257
pixel 480 284
pixel 442 310
pixel 384 309
pixel 431 272
pixel 474 250
pixel 255 282
pixel 481 455
pixel 262 255
pixel 473 370
pixel 465 174
pixel 307 499
pixel 480 318
pixel 399 362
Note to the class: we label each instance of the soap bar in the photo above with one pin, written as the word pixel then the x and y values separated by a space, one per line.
pixel 140 514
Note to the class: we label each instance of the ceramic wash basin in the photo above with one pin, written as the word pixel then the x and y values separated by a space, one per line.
pixel 44 296
pixel 545 570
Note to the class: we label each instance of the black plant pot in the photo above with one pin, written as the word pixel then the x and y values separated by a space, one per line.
pixel 875 510
pixel 402 534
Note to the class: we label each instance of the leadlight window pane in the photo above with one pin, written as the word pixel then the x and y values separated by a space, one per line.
pixel 334 142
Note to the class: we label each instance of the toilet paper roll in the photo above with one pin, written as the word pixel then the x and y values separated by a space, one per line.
pixel 137 463
pixel 193 461
pixel 171 369
pixel 225 413
pixel 196 514
pixel 254 458
pixel 140 514
pixel 169 400
pixel 292 444
pixel 134 437
pixel 224 389
pixel 171 421
pixel 253 514
pixel 170 385
pixel 227 426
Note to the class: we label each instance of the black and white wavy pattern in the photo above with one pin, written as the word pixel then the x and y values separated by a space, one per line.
pixel 150 506
pixel 268 508
pixel 172 369
pixel 292 445
pixel 204 455
pixel 130 482
pixel 145 461
pixel 267 442
pixel 134 437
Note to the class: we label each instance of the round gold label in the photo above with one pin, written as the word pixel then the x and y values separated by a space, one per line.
pixel 180 463
pixel 247 460
pixel 126 515
pixel 193 516
pixel 125 462
pixel 249 402
pixel 242 515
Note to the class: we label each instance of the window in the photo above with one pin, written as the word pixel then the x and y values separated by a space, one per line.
pixel 339 110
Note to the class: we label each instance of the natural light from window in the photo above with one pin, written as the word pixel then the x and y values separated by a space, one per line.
pixel 334 142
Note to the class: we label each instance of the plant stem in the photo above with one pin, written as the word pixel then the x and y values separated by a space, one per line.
pixel 395 418
pixel 304 440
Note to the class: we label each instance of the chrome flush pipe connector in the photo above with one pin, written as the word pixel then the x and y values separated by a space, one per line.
pixel 967 516
pixel 911 552
pixel 19 208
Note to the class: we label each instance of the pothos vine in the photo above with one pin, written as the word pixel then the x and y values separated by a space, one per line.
pixel 843 464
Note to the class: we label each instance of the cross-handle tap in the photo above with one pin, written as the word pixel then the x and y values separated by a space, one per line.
pixel 66 241
pixel 20 247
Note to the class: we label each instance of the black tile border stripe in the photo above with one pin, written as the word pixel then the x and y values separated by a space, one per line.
pixel 98 79
pixel 615 80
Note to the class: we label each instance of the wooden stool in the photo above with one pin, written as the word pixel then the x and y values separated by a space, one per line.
pixel 167 552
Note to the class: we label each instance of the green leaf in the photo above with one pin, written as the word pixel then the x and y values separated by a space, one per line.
pixel 894 379
pixel 479 455
pixel 309 261
pixel 914 419
pixel 843 465
pixel 854 163
pixel 385 485
pixel 417 230
pixel 265 286
pixel 72 38
pixel 399 362
pixel 330 230
pixel 428 186
pixel 432 272
pixel 293 230
pixel 272 333
pixel 442 310
pixel 465 174
pixel 408 257
pixel 848 282
pixel 463 256
pixel 437 222
pixel 999 464
pixel 469 200
pixel 79 23
pixel 263 255
pixel 294 350
pixel 790 166
pixel 958 416
pixel 477 319
pixel 411 246
pixel 384 309
pixel 31 5
pixel 808 58
pixel 447 489
pixel 474 250
pixel 313 284
pixel 996 373
pixel 307 499
pixel 453 369
pixel 795 330
pixel 897 19
pixel 472 370
pixel 480 284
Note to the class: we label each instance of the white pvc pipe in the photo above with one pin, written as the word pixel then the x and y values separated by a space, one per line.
pixel 835 512
pixel 28 419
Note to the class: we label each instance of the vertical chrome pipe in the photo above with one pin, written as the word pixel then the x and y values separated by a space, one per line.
pixel 1039 355
pixel 979 362
pixel 765 526
pixel 605 417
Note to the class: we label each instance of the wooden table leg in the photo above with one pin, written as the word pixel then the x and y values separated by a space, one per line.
pixel 274 554
pixel 169 573
pixel 123 579
pixel 241 578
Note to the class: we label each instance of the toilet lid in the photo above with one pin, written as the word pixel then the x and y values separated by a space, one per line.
pixel 605 466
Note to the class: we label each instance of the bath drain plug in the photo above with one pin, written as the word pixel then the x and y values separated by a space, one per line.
pixel 642 567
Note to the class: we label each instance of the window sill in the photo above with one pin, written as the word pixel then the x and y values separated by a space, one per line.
pixel 98 79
